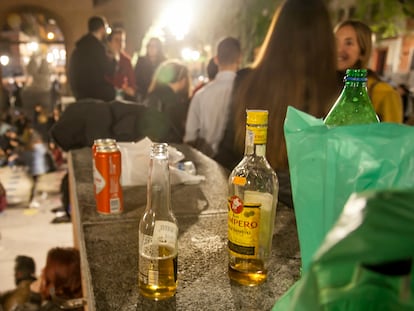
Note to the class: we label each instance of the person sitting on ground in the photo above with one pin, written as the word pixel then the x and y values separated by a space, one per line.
pixel 11 146
pixel 65 209
pixel 24 276
pixel 59 283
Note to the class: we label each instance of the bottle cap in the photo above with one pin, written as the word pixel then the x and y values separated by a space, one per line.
pixel 257 117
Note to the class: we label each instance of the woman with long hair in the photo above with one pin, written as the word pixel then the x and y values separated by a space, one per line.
pixel 146 66
pixel 295 67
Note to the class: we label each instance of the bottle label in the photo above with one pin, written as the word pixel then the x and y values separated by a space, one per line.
pixel 259 134
pixel 243 227
pixel 250 224
pixel 165 233
pixel 239 180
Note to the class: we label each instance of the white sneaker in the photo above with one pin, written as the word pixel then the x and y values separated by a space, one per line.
pixel 34 204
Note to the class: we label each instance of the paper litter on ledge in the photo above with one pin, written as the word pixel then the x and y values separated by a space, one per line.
pixel 135 162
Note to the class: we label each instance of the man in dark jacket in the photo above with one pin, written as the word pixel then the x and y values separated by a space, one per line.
pixel 90 65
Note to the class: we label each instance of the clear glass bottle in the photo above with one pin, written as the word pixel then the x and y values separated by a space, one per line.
pixel 253 190
pixel 353 105
pixel 158 232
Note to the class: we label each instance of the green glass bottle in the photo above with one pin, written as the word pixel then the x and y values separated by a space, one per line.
pixel 353 106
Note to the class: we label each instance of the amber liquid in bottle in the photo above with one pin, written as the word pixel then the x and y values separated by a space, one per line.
pixel 160 280
pixel 253 190
pixel 158 233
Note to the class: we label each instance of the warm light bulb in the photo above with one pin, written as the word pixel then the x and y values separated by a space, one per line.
pixel 4 60
pixel 33 46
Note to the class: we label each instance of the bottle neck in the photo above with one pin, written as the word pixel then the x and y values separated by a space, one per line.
pixel 158 187
pixel 356 83
pixel 256 136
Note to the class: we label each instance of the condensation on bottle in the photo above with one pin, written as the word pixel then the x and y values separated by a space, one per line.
pixel 353 105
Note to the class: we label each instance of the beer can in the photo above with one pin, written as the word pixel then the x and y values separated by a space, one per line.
pixel 96 143
pixel 107 179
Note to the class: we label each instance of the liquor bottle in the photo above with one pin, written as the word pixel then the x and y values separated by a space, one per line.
pixel 158 232
pixel 353 105
pixel 253 190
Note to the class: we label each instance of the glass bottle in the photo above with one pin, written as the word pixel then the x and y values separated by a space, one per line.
pixel 353 105
pixel 253 190
pixel 158 232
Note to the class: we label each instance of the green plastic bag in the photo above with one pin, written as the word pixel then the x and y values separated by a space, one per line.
pixel 327 165
pixel 375 227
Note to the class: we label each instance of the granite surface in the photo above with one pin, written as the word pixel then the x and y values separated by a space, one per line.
pixel 109 246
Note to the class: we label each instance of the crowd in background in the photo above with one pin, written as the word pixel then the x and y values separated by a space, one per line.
pixel 210 116
pixel 100 69
pixel 301 63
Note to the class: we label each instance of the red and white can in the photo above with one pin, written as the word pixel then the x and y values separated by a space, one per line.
pixel 107 179
pixel 96 143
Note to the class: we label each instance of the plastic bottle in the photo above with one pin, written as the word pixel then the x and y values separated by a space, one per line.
pixel 158 232
pixel 353 105
pixel 253 190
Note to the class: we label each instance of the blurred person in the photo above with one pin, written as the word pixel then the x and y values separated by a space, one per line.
pixel 20 122
pixel 124 76
pixel 212 70
pixel 406 99
pixel 57 154
pixel 17 93
pixel 167 103
pixel 40 121
pixel 90 64
pixel 56 91
pixel 36 156
pixel 295 67
pixel 146 66
pixel 3 194
pixel 24 276
pixel 4 98
pixel 60 281
pixel 11 146
pixel 66 208
pixel 208 111
pixel 4 123
pixel 354 48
